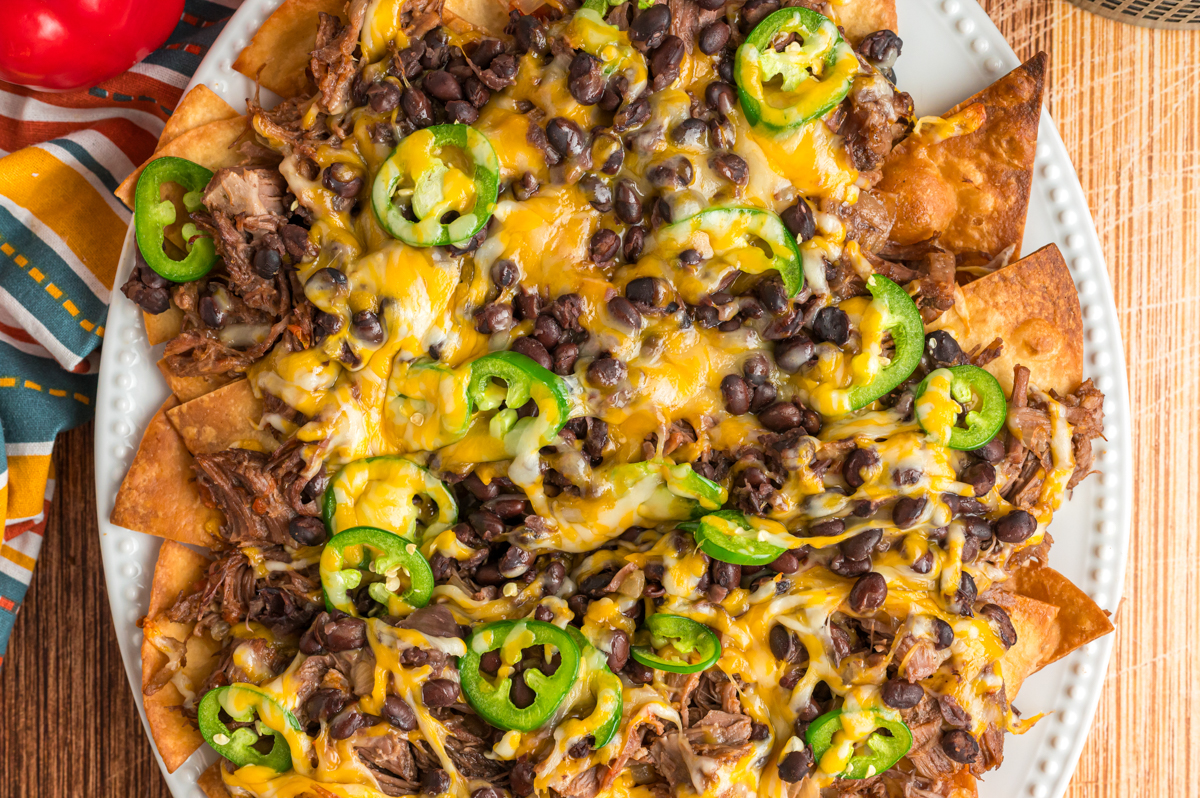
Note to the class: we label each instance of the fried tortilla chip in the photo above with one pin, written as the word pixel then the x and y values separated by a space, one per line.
pixel 159 495
pixel 486 15
pixel 1032 306
pixel 1037 634
pixel 213 145
pixel 278 53
pixel 200 106
pixel 174 733
pixel 210 782
pixel 859 18
pixel 1079 620
pixel 223 419
pixel 162 327
pixel 967 182
pixel 189 388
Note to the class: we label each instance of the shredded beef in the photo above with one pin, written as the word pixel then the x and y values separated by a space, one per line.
pixel 390 758
pixel 259 494
pixel 876 117
pixel 332 64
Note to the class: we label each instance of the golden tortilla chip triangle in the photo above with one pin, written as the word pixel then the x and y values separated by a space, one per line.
pixel 211 783
pixel 223 419
pixel 858 18
pixel 159 494
pixel 489 16
pixel 1037 634
pixel 1033 307
pixel 198 107
pixel 189 388
pixel 1080 620
pixel 278 53
pixel 175 735
pixel 971 191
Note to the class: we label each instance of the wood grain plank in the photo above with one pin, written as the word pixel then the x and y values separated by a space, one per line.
pixel 1127 102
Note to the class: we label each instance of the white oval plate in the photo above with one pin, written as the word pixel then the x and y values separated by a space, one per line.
pixel 951 50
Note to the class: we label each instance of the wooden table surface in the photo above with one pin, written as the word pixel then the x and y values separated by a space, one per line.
pixel 1127 102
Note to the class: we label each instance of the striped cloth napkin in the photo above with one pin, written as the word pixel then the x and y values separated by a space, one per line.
pixel 61 228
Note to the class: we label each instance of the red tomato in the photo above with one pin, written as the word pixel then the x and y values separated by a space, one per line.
pixel 67 45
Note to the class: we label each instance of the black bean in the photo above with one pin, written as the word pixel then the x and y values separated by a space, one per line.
pixel 628 205
pixel 565 355
pixel 833 325
pixel 691 257
pixel 618 651
pixel 612 163
pixel 799 221
pixel 720 96
pixel 604 245
pixel 795 765
pixel 397 712
pixel 1002 623
pixel 366 327
pixel 731 167
pixel 792 353
pixel 980 476
pixel 724 574
pixel 756 368
pixel 786 563
pixel 325 703
pixel 868 593
pixel 344 633
pixel 487 524
pixel 710 5
pixel 648 292
pixel 477 93
pixel 485 51
pixel 267 263
pixel 977 527
pixel 754 12
pixel 960 746
pixel 417 107
pixel 493 318
pixel 649 28
pixel 606 371
pixel 861 545
pixel 943 634
pixel 844 566
pixel 690 132
pixel 533 349
pixel 736 393
pixel 547 331
pixel 901 694
pixel 346 724
pixel 923 564
pixel 565 136
pixel 638 673
pixel 624 311
pixel 784 644
pixel 435 782
pixel 584 80
pixel 854 464
pixel 780 417
pixel 992 451
pixel 772 295
pixel 1016 527
pixel 907 511
pixel 526 186
pixel 503 71
pixel 443 86
pixel 515 562
pixel 555 573
pixel 341 179
pixel 509 506
pixel 810 421
pixel 880 48
pixel 504 273
pixel 829 527
pixel 759 731
pixel 714 37
pixel 597 192
pixel 633 115
pixel 211 313
pixel 462 112
pixel 530 35
pixel 439 693
pixel 308 530
pixel 664 62
pixel 943 349
pixel 479 489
